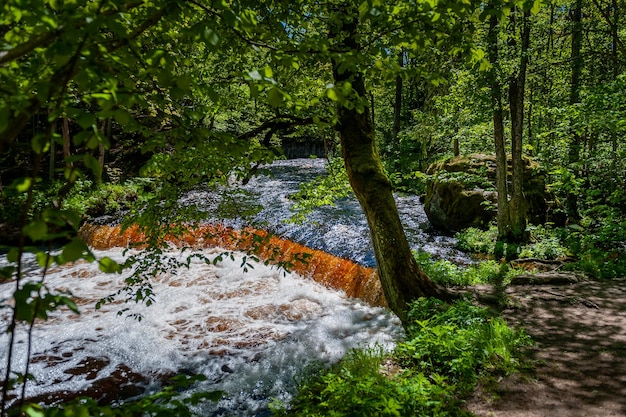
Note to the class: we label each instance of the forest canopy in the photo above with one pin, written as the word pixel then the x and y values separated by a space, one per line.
pixel 152 98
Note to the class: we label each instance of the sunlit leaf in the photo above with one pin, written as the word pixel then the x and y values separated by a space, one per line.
pixel 275 97
pixel 108 265
pixel 23 184
pixel 93 164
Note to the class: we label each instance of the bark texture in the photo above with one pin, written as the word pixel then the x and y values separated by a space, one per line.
pixel 401 277
pixel 503 218
pixel 517 85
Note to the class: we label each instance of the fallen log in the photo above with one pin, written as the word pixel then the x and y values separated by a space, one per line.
pixel 548 278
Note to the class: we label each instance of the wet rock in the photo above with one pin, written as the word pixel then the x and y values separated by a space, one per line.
pixel 121 384
pixel 461 193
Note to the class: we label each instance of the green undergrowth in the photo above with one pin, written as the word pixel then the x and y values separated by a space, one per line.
pixel 450 274
pixel 448 349
pixel 84 196
pixel 596 246
pixel 108 198
pixel 544 242
pixel 447 273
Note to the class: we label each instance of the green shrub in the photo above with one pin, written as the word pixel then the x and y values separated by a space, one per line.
pixel 359 387
pixel 448 274
pixel 460 342
pixel 474 240
pixel 599 244
pixel 107 198
pixel 545 244
pixel 447 349
pixel 83 196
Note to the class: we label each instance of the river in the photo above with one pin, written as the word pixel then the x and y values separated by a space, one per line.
pixel 250 333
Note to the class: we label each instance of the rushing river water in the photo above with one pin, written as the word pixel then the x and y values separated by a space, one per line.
pixel 249 332
pixel 341 229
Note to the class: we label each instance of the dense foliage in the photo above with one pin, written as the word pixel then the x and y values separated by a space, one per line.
pixel 447 350
pixel 122 106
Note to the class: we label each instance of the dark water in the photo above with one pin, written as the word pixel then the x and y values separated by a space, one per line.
pixel 341 229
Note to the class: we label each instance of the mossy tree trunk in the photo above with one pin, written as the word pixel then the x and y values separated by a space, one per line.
pixel 401 277
pixel 517 84
pixel 503 218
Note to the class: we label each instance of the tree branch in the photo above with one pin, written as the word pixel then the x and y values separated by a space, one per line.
pixel 277 123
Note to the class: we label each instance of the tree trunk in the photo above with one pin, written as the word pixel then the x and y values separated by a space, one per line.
pixel 571 202
pixel 52 152
pixel 65 132
pixel 517 84
pixel 397 116
pixel 503 219
pixel 401 277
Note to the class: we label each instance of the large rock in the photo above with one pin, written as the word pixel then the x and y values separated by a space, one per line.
pixel 461 193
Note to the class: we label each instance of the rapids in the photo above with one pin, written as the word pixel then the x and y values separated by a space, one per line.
pixel 251 333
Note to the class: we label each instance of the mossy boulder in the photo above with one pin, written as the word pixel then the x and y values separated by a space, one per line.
pixel 461 193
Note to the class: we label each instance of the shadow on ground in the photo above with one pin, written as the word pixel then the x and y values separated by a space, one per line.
pixel 580 335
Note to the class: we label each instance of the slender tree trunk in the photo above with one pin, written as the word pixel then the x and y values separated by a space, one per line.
pixel 517 85
pixel 571 202
pixel 503 219
pixel 529 119
pixel 397 116
pixel 614 42
pixel 65 132
pixel 401 277
pixel 52 151
pixel 373 110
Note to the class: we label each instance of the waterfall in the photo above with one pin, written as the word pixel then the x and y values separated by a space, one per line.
pixel 331 271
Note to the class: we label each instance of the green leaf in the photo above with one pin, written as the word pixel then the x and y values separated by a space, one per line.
pixel 44 259
pixel 13 254
pixel 6 273
pixel 71 174
pixel 23 184
pixel 364 9
pixel 36 229
pixel 255 75
pixel 108 266
pixel 536 7
pixel 122 117
pixel 69 303
pixel 86 120
pixel 34 410
pixel 73 251
pixel 40 144
pixel 211 37
pixel 333 94
pixel 93 164
pixel 275 97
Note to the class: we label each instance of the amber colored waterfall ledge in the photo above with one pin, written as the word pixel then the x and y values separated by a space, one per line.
pixel 331 271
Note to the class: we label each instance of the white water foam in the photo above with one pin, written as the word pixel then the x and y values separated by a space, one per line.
pixel 249 332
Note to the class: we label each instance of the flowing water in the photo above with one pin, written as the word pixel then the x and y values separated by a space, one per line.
pixel 341 230
pixel 251 333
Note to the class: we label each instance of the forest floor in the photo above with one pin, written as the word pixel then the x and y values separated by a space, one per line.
pixel 579 354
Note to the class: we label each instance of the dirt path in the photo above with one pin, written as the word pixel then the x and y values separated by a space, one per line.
pixel 580 335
